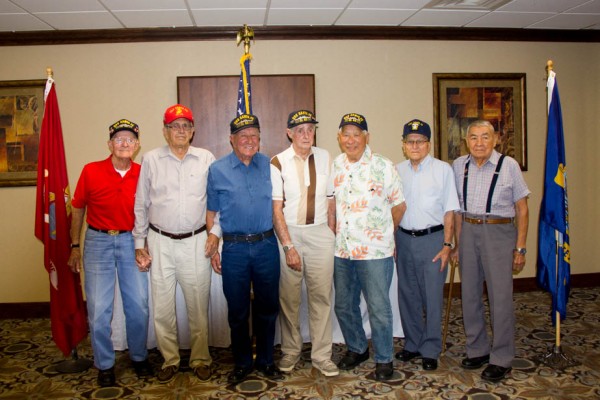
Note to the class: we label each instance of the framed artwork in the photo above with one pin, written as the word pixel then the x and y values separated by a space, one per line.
pixel 459 99
pixel 21 113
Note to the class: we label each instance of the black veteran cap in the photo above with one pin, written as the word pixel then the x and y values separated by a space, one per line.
pixel 354 119
pixel 417 126
pixel 124 125
pixel 244 121
pixel 301 117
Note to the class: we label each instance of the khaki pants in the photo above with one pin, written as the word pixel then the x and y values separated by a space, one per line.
pixel 183 262
pixel 315 245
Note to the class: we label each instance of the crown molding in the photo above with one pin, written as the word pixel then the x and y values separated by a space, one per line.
pixel 34 38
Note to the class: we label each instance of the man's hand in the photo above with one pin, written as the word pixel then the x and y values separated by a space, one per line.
pixel 143 259
pixel 443 255
pixel 292 259
pixel 215 263
pixel 454 254
pixel 212 245
pixel 518 262
pixel 75 260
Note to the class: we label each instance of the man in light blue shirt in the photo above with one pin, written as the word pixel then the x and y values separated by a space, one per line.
pixel 423 244
pixel 239 189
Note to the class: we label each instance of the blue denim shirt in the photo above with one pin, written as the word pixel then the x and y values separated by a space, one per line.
pixel 242 194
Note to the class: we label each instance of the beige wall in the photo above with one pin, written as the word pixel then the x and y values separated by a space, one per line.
pixel 387 81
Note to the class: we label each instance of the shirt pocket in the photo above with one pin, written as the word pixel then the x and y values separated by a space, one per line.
pixel 321 188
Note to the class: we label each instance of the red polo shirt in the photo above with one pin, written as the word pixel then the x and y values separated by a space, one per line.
pixel 109 198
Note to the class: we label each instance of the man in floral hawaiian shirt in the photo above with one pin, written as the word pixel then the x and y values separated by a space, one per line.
pixel 369 206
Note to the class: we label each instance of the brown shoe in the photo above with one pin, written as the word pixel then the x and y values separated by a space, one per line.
pixel 203 372
pixel 167 373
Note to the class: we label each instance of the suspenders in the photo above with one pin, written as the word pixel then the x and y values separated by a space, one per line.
pixel 488 206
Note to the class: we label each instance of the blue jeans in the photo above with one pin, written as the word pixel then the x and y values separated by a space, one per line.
pixel 251 265
pixel 105 259
pixel 373 278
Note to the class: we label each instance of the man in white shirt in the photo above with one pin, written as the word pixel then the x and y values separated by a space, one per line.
pixel 170 236
pixel 304 220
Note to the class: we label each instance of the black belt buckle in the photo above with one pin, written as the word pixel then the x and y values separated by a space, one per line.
pixel 250 238
pixel 177 236
pixel 422 232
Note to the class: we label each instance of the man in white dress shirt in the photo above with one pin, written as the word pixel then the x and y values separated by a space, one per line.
pixel 170 236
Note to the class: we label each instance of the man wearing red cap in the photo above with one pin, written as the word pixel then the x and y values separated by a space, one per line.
pixel 107 190
pixel 170 237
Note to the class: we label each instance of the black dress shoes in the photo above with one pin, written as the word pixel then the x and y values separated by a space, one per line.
pixel 239 374
pixel 106 377
pixel 269 371
pixel 430 364
pixel 406 355
pixel 352 359
pixel 384 371
pixel 495 373
pixel 142 368
pixel 475 362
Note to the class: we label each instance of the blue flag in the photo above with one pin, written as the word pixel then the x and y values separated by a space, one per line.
pixel 244 101
pixel 554 255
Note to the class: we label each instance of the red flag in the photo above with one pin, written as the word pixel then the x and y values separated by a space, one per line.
pixel 52 225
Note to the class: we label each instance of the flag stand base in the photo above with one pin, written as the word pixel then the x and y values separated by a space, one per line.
pixel 75 364
pixel 555 358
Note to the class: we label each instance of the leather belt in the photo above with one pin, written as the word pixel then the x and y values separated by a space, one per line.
pixel 111 232
pixel 422 232
pixel 484 220
pixel 177 236
pixel 248 238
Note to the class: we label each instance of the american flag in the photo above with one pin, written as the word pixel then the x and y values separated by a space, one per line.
pixel 244 101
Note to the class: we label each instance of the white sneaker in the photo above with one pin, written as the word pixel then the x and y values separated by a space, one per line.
pixel 327 367
pixel 288 362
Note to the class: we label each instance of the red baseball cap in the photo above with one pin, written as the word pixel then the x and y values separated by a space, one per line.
pixel 177 111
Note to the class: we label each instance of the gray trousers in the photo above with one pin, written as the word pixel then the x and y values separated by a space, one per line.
pixel 420 291
pixel 486 253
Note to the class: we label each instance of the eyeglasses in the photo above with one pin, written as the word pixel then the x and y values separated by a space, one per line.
pixel 177 127
pixel 417 143
pixel 122 140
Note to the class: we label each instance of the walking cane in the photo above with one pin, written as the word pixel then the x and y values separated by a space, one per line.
pixel 448 304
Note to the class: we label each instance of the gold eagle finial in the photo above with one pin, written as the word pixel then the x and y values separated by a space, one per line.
pixel 245 35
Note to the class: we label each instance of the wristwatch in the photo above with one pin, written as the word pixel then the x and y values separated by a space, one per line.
pixel 74 245
pixel 448 244
pixel 288 247
pixel 520 250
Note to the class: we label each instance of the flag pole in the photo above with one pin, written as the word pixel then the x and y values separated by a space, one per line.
pixel 74 364
pixel 244 106
pixel 555 357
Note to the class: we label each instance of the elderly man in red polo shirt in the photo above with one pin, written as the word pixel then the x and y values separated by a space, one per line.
pixel 107 189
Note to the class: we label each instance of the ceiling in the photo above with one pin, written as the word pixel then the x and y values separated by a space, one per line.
pixel 55 15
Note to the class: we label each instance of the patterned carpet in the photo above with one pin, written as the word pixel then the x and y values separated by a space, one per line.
pixel 29 358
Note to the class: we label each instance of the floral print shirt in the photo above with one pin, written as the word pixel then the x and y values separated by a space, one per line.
pixel 365 192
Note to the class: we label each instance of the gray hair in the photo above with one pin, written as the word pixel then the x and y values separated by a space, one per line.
pixel 482 123
pixel 340 130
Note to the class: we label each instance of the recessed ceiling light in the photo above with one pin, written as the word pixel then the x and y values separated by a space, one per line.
pixel 485 5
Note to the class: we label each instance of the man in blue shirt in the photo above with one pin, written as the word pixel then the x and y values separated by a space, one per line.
pixel 423 244
pixel 239 189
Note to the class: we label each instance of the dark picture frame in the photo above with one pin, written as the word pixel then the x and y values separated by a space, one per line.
pixel 461 98
pixel 21 114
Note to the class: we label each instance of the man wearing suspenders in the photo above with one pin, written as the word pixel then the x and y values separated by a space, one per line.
pixel 491 235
